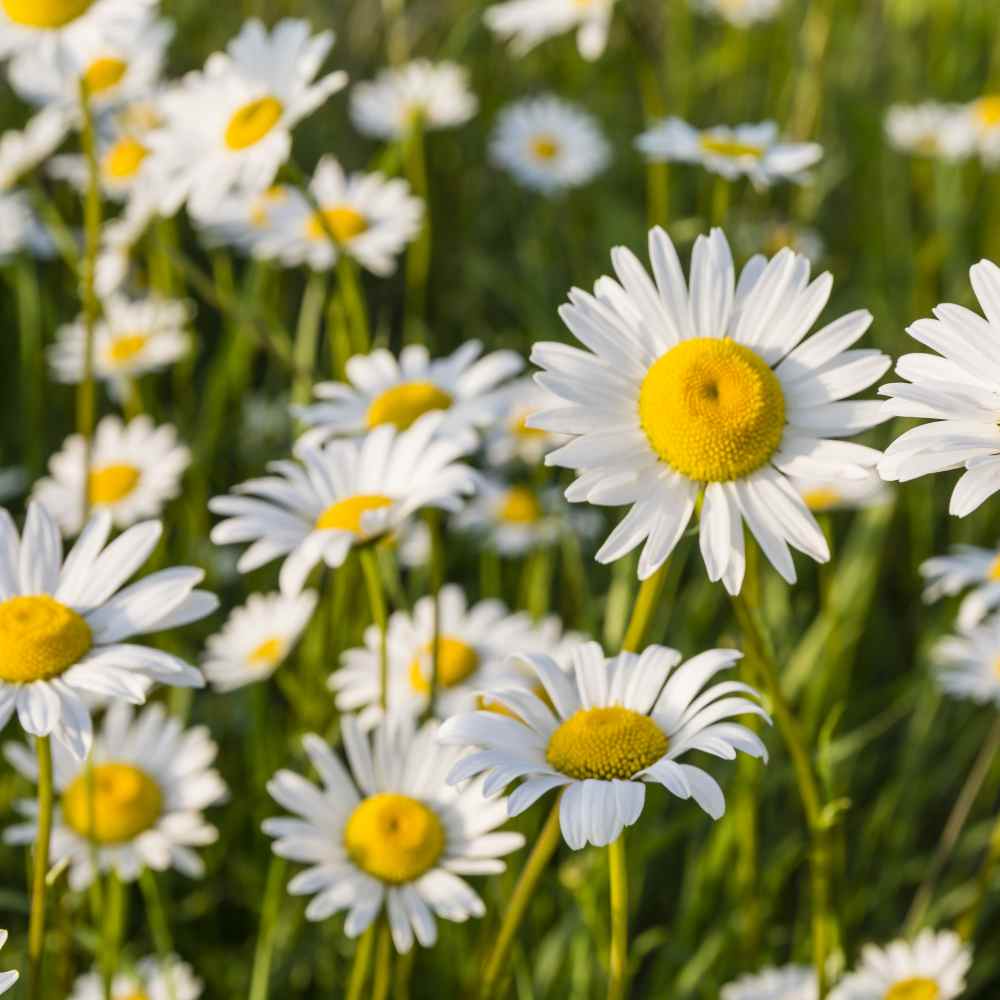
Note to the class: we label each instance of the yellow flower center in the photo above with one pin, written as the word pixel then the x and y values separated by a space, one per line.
pixel 112 804
pixel 346 515
pixel 485 704
pixel 712 410
pixel 111 483
pixel 605 743
pixel 917 988
pixel 403 405
pixel 730 148
pixel 124 159
pixel 134 996
pixel 521 429
pixel 252 122
pixel 342 221
pixel 394 838
pixel 457 661
pixel 45 13
pixel 267 653
pixel 520 506
pixel 40 638
pixel 988 110
pixel 124 348
pixel 262 205
pixel 993 573
pixel 545 147
pixel 103 74
pixel 821 498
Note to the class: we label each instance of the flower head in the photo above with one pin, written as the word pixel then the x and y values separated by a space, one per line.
pixel 7 979
pixel 525 23
pixel 741 13
pixel 965 566
pixel 968 664
pixel 149 979
pixel 930 129
pixel 823 495
pixel 791 982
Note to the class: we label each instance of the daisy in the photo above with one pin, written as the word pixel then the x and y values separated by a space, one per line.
pixel 435 95
pixel 549 144
pixel 752 150
pixel 64 624
pixel 957 391
pixel 150 979
pixel 138 799
pixel 509 437
pixel 525 23
pixel 930 129
pixel 388 834
pixel 606 728
pixel 711 392
pixel 931 967
pixel 20 230
pixel 7 979
pixel 247 223
pixel 342 496
pixel 822 495
pixel 132 470
pixel 256 639
pixel 381 390
pixel 965 566
pixel 969 663
pixel 791 982
pixel 23 150
pixel 741 13
pixel 119 239
pixel 983 118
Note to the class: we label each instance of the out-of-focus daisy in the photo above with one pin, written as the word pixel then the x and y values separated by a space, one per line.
pixel 138 799
pixel 969 663
pixel 509 437
pixel 149 979
pixel 965 566
pixel 133 470
pixel 341 496
pixel 388 834
pixel 7 979
pixel 753 150
pixel 713 391
pixel 64 623
pixel 930 129
pixel 119 239
pixel 983 118
pixel 381 390
pixel 791 982
pixel 527 22
pixel 548 144
pixel 20 230
pixel 256 639
pixel 433 95
pixel 367 217
pixel 21 150
pixel 956 389
pixel 246 222
pixel 741 13
pixel 604 730
pixel 822 495
pixel 931 967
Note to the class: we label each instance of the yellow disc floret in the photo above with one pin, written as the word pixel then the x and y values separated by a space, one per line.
pixel 988 110
pixel 605 743
pixel 267 653
pixel 342 222
pixel 712 410
pixel 112 803
pixel 111 483
pixel 40 638
pixel 917 988
pixel 124 159
pixel 346 515
pixel 48 14
pixel 545 147
pixel 252 122
pixel 403 405
pixel 125 347
pixel 520 506
pixel 394 838
pixel 103 74
pixel 457 661
pixel 731 149
pixel 822 498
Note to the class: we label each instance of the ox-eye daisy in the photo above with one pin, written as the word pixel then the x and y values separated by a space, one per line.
pixel 527 22
pixel 138 799
pixel 64 624
pixel 790 982
pixel 7 979
pixel 711 391
pixel 509 437
pixel 968 664
pixel 930 129
pixel 388 834
pixel 965 566
pixel 741 13
pixel 246 221
pixel 149 979
pixel 605 729
pixel 822 495
pixel 983 122
pixel 342 496
pixel 130 470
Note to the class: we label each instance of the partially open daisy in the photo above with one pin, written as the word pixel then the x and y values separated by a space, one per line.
pixel 823 495
pixel 790 982
pixel 931 967
pixel 525 23
pixel 390 834
pixel 509 438
pixel 711 391
pixel 347 494
pixel 148 979
pixel 968 664
pixel 7 979
pixel 753 150
pixel 965 566
pixel 64 624
pixel 548 144
pixel 930 129
pixel 134 469
pixel 605 729
pixel 433 95
pixel 741 13
pixel 256 639
pixel 138 799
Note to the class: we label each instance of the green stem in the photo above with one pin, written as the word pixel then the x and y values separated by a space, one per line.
pixel 969 920
pixel 353 300
pixel 159 926
pixel 111 936
pixel 618 968
pixel 36 926
pixel 264 952
pixel 362 960
pixel 418 259
pixel 404 970
pixel 642 610
pixel 720 201
pixel 307 336
pixel 383 961
pixel 433 519
pixel 376 601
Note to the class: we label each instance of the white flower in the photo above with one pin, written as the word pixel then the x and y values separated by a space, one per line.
pixel 118 241
pixel 957 392
pixel 969 663
pixel 138 799
pixel 712 391
pixel 245 222
pixel 931 967
pixel 509 437
pixel 341 496
pixel 20 230
pixel 790 982
pixel 742 13
pixel 256 639
pixel 433 95
pixel 613 725
pixel 133 470
pixel 390 834
pixel 965 566
pixel 548 144
pixel 527 22
pixel 23 150
pixel 752 150
pixel 823 495
pixel 7 979
pixel 150 979
pixel 930 129
pixel 982 119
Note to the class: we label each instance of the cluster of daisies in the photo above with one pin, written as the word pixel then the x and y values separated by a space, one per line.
pixel 948 131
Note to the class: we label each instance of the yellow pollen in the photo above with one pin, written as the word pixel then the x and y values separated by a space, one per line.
pixel 730 148
pixel 103 74
pixel 993 573
pixel 252 122
pixel 50 14
pixel 521 429
pixel 545 147
pixel 917 988
pixel 40 638
pixel 403 405
pixel 112 804
pixel 488 705
pixel 346 515
pixel 125 347
pixel 520 506
pixel 394 838
pixel 134 996
pixel 267 653
pixel 124 159
pixel 821 498
pixel 988 110
pixel 712 410
pixel 457 661
pixel 272 196
pixel 111 483
pixel 343 221
pixel 605 743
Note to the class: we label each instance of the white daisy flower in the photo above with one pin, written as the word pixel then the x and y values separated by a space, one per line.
pixel 64 624
pixel 982 117
pixel 435 95
pixel 930 129
pixel 20 230
pixel 957 391
pixel 605 729
pixel 133 470
pixel 548 144
pixel 347 494
pixel 138 799
pixel 119 238
pixel 965 566
pixel 931 967
pixel 370 218
pixel 509 437
pixel 741 13
pixel 752 150
pixel 256 639
pixel 247 222
pixel 388 834
pixel 822 495
pixel 969 664
pixel 150 979
pixel 525 23
pixel 21 150
pixel 790 982
pixel 7 979
pixel 715 391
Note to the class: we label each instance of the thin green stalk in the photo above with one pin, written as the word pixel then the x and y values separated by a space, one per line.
pixel 159 926
pixel 618 966
pixel 383 961
pixel 353 300
pixel 362 960
pixel 969 920
pixel 266 936
pixel 433 520
pixel 307 336
pixel 418 258
pixel 111 933
pixel 36 925
pixel 642 611
pixel 404 972
pixel 376 601
pixel 720 201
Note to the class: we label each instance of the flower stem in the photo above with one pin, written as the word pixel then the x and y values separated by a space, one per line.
pixel 433 518
pixel 376 600
pixel 159 926
pixel 354 304
pixel 362 959
pixel 264 952
pixel 618 968
pixel 36 927
pixel 111 936
pixel 642 610
pixel 418 259
pixel 383 961
pixel 307 336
